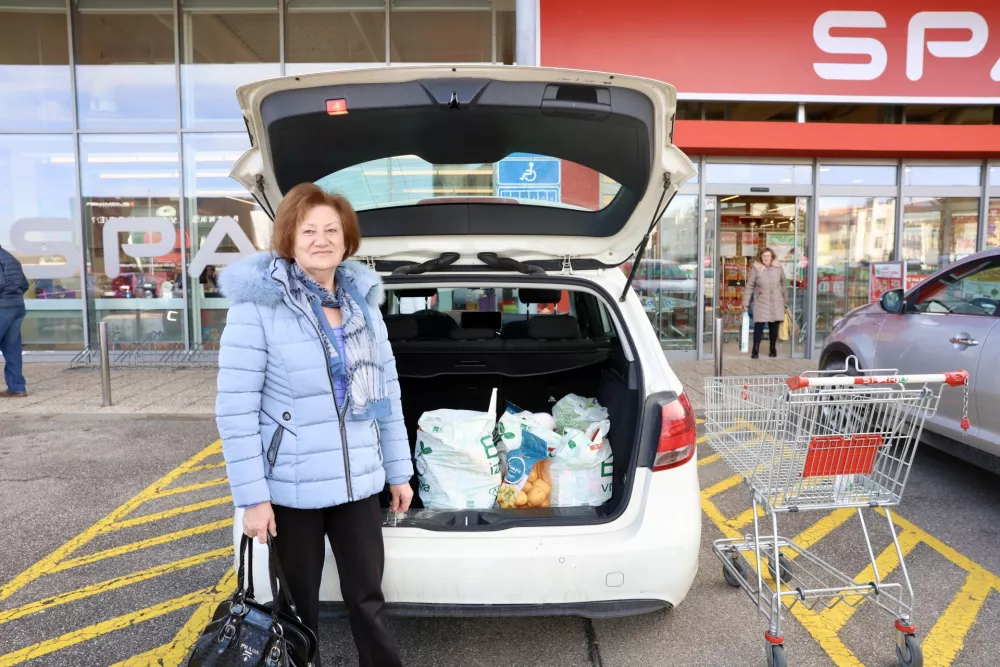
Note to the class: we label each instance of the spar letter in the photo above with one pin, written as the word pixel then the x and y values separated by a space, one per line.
pixel 114 226
pixel 924 21
pixel 868 46
pixel 209 251
pixel 63 227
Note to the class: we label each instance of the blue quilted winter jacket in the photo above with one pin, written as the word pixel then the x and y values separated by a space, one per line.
pixel 281 436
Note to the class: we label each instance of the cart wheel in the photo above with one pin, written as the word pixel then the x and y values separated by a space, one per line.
pixel 776 655
pixel 786 568
pixel 912 655
pixel 731 579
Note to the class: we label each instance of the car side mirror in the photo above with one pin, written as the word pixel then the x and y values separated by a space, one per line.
pixel 892 301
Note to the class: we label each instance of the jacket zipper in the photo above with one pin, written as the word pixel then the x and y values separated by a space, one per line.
pixel 333 393
pixel 272 450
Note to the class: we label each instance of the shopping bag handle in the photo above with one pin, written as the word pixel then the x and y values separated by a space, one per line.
pixel 952 379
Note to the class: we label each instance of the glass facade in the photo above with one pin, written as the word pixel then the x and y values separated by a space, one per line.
pixel 119 125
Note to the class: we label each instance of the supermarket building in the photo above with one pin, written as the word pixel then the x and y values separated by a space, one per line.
pixel 839 138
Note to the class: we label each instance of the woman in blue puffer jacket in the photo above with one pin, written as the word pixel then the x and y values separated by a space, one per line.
pixel 309 410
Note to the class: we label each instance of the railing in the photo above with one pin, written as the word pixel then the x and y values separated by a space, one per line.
pixel 151 353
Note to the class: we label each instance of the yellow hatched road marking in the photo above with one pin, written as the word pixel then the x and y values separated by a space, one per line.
pixel 706 460
pixel 947 637
pixel 93 631
pixel 112 584
pixel 142 544
pixel 219 481
pixel 48 563
pixel 166 514
pixel 208 466
pixel 173 653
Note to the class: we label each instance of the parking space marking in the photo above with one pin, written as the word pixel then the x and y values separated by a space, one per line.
pixel 48 563
pixel 142 544
pixel 111 584
pixel 104 627
pixel 167 514
pixel 943 641
pixel 205 600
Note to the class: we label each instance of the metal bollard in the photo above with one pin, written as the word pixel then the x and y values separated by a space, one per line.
pixel 102 334
pixel 718 343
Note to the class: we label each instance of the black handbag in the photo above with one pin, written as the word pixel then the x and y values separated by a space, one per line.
pixel 246 633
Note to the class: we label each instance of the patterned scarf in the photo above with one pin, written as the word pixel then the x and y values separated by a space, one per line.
pixel 361 364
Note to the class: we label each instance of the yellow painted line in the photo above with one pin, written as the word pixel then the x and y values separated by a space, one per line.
pixel 947 637
pixel 112 584
pixel 46 565
pixel 142 544
pixel 173 653
pixel 166 514
pixel 219 481
pixel 706 460
pixel 208 466
pixel 887 562
pixel 958 559
pixel 822 528
pixel 713 513
pixel 721 487
pixel 61 642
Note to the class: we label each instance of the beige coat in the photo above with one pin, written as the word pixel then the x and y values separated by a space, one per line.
pixel 769 288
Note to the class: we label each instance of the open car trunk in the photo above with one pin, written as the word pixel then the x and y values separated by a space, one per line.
pixel 444 363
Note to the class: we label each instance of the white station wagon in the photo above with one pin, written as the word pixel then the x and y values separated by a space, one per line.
pixel 495 282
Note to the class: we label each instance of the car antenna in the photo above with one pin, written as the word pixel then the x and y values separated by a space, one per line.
pixel 641 249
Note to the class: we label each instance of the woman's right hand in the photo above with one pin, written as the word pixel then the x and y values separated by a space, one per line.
pixel 258 521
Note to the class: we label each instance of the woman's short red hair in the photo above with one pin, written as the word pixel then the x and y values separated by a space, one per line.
pixel 296 205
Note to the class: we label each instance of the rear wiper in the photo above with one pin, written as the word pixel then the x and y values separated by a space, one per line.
pixel 658 212
pixel 494 261
pixel 440 262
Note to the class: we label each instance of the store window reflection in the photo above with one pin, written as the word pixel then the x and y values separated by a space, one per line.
pixel 853 233
pixel 506 31
pixel 224 223
pixel 125 72
pixel 342 34
pixel 936 232
pixel 223 46
pixel 35 90
pixel 993 224
pixel 441 31
pixel 667 279
pixel 39 224
pixel 131 195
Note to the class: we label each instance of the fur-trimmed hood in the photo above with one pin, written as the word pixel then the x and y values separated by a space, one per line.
pixel 255 279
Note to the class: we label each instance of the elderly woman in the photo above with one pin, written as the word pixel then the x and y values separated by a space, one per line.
pixel 309 410
pixel 767 287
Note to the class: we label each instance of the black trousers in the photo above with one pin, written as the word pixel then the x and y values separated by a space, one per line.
pixel 355 534
pixel 758 335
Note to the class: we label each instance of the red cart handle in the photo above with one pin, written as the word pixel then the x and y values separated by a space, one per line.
pixel 952 379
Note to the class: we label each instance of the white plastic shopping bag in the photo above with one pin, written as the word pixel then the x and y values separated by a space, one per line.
pixel 457 462
pixel 572 411
pixel 745 332
pixel 582 469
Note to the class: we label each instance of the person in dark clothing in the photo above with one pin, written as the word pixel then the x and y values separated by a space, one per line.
pixel 13 285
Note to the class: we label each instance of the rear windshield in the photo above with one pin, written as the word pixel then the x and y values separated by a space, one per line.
pixel 521 178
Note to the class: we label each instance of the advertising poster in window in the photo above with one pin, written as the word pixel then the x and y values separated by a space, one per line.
pixel 783 246
pixel 750 244
pixel 727 244
pixel 884 277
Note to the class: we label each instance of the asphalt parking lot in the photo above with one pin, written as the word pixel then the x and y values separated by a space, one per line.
pixel 117 552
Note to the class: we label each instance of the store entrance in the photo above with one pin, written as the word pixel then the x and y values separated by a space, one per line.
pixel 745 226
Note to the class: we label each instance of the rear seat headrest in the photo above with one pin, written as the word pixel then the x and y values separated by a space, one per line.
pixel 473 334
pixel 554 327
pixel 539 295
pixel 423 293
pixel 401 327
pixel 434 323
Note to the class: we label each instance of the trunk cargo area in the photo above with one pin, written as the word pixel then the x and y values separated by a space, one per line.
pixel 457 368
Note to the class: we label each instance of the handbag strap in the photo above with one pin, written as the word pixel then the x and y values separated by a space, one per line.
pixel 277 577
pixel 246 545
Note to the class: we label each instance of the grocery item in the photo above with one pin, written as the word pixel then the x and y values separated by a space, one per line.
pixel 527 482
pixel 577 412
pixel 582 469
pixel 514 421
pixel 458 465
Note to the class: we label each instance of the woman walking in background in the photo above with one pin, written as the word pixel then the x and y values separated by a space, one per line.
pixel 767 288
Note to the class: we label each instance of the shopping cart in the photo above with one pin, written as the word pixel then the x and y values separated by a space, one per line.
pixel 820 441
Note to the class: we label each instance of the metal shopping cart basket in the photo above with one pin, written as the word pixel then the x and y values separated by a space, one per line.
pixel 821 441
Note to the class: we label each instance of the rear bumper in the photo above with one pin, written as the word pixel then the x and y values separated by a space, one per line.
pixel 595 610
pixel 645 560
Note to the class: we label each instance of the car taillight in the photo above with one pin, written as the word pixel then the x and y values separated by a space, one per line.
pixel 678 434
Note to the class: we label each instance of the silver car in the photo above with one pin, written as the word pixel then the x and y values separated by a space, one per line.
pixel 950 321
